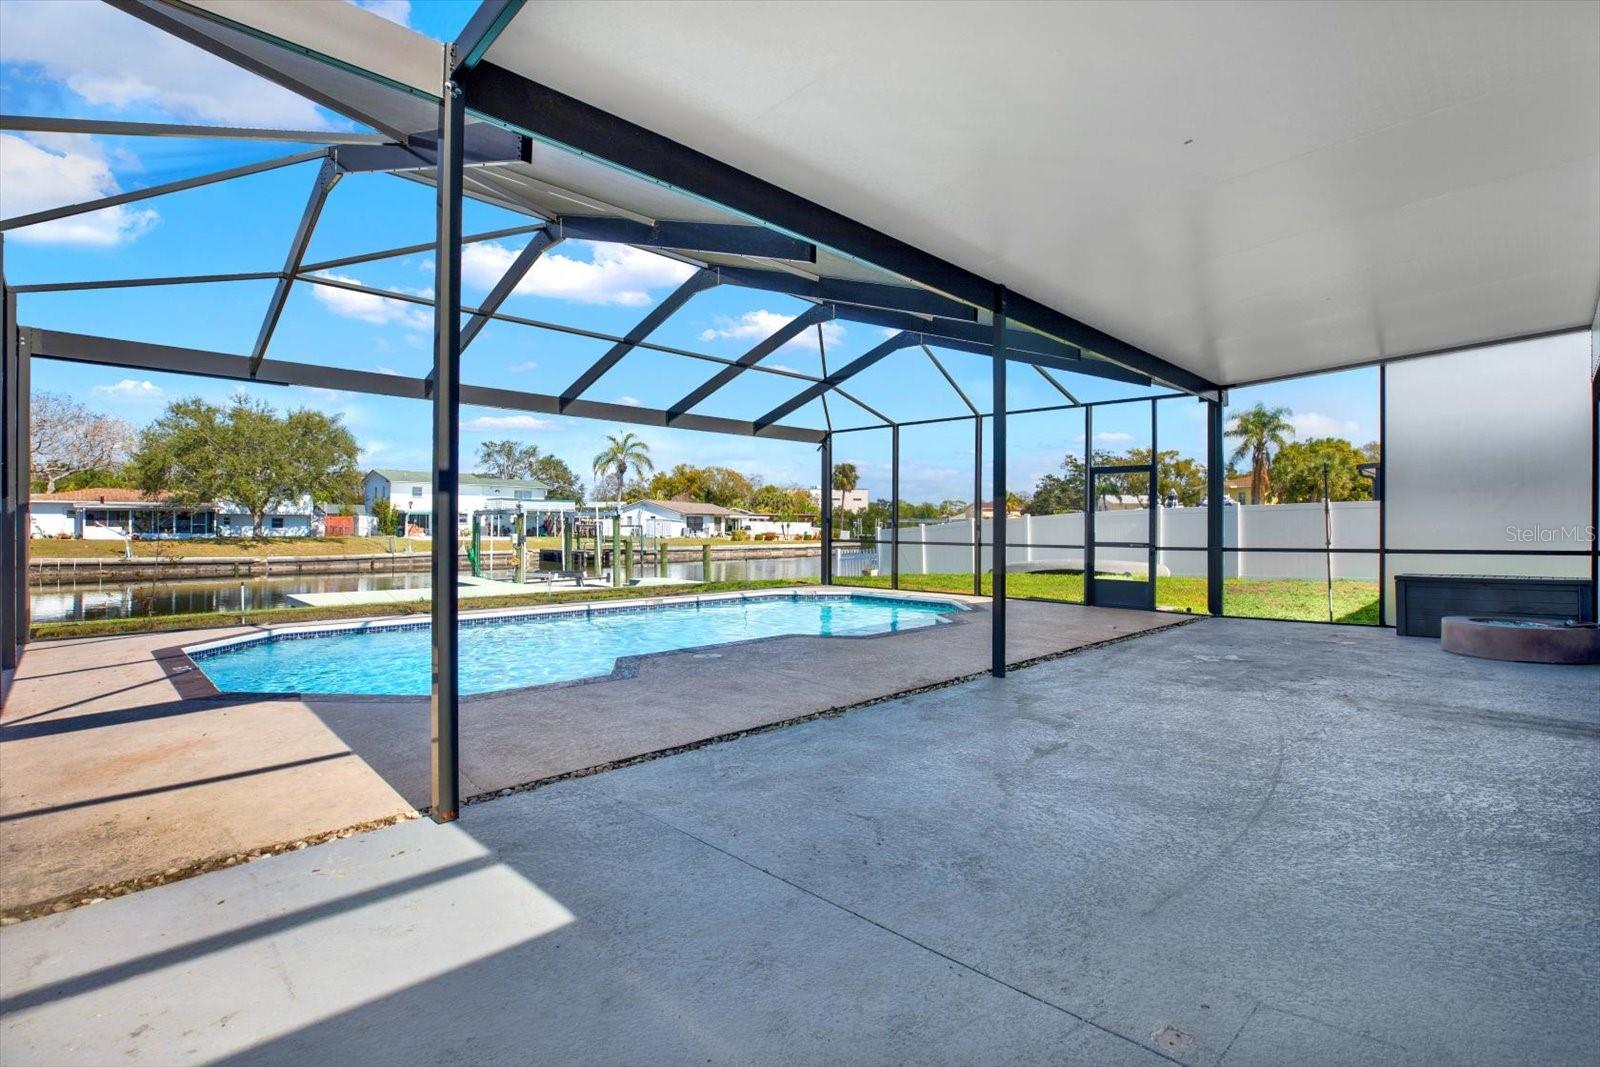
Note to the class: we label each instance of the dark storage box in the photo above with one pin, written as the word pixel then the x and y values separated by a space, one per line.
pixel 1421 600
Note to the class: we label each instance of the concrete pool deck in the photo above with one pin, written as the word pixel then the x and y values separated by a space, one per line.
pixel 1230 843
pixel 113 770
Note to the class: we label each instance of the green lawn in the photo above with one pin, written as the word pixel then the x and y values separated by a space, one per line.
pixel 1266 598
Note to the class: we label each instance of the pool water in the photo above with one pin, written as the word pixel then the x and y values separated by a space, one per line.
pixel 539 649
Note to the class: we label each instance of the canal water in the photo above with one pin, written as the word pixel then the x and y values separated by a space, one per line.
pixel 73 601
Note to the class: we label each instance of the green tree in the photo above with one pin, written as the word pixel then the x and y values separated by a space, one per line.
pixel 1297 471
pixel 845 476
pixel 624 453
pixel 246 455
pixel 1176 475
pixel 783 504
pixel 507 459
pixel 723 486
pixel 1261 431
pixel 562 480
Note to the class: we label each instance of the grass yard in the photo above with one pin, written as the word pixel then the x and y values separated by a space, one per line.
pixel 1265 598
pixel 287 616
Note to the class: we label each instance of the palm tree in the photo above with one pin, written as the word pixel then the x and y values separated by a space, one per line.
pixel 845 476
pixel 621 455
pixel 1261 431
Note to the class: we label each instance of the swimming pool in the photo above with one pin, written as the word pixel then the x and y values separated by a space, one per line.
pixel 509 652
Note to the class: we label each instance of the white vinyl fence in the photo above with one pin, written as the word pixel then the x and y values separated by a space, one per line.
pixel 1041 542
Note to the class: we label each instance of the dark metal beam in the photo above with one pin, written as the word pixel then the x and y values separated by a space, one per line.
pixel 111 128
pixel 481 31
pixel 139 355
pixel 863 405
pixel 485 143
pixel 411 250
pixel 962 393
pixel 8 461
pixel 540 324
pixel 560 119
pixel 1063 390
pixel 697 282
pixel 163 17
pixel 445 692
pixel 844 373
pixel 1023 346
pixel 1069 330
pixel 887 297
pixel 977 505
pixel 19 426
pixel 894 507
pixel 723 238
pixel 812 316
pixel 327 178
pixel 134 195
pixel 140 283
pixel 825 508
pixel 822 360
pixel 1216 505
pixel 997 538
pixel 541 243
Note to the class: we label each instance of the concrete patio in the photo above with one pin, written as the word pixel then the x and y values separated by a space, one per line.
pixel 115 771
pixel 1227 843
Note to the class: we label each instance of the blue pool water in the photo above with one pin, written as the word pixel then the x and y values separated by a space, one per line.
pixel 535 650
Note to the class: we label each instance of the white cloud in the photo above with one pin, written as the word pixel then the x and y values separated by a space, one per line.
pixel 114 60
pixel 132 389
pixel 378 310
pixel 1311 424
pixel 1113 438
pixel 397 11
pixel 508 422
pixel 630 401
pixel 34 178
pixel 614 274
pixel 524 367
pixel 753 326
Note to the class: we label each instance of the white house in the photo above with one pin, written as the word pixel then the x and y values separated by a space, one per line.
pixel 676 518
pixel 843 499
pixel 410 494
pixel 118 513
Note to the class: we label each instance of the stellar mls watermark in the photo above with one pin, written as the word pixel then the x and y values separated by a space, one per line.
pixel 1550 535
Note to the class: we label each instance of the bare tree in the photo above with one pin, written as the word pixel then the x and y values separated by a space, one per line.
pixel 67 438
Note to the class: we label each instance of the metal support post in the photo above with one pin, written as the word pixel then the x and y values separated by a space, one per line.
pixel 894 507
pixel 1088 505
pixel 1216 504
pixel 616 550
pixel 445 697
pixel 977 505
pixel 826 502
pixel 997 550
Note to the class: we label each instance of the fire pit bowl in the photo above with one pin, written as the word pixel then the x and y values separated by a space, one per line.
pixel 1524 640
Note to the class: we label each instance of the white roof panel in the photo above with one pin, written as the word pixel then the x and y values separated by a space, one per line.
pixel 1247 190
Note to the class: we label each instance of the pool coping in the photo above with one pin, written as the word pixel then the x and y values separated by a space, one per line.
pixel 183 670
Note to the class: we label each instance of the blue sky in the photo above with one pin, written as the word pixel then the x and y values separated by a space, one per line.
pixel 82 58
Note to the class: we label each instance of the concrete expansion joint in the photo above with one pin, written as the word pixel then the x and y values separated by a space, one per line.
pixel 100 893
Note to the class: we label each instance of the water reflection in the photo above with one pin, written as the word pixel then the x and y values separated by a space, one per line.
pixel 70 601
